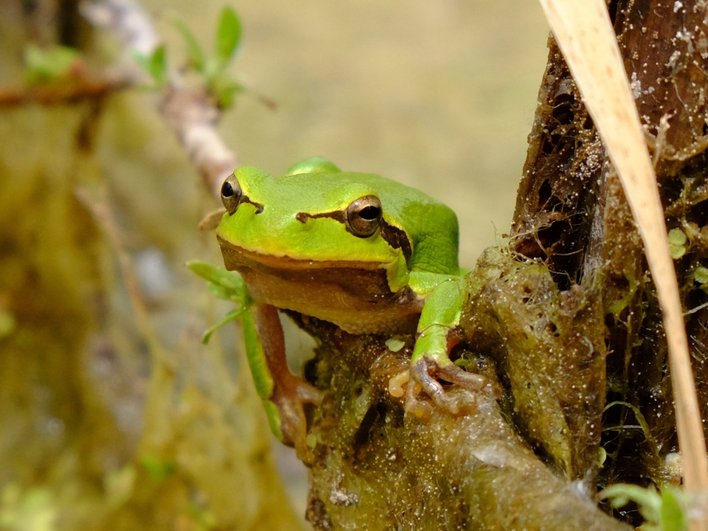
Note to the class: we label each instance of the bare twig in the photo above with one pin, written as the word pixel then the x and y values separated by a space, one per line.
pixel 127 19
pixel 80 91
pixel 584 34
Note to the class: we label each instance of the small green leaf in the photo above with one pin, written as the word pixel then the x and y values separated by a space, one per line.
pixel 155 64
pixel 700 275
pixel 158 65
pixel 662 510
pixel 220 292
pixel 230 316
pixel 672 515
pixel 677 237
pixel 677 243
pixel 228 34
pixel 237 296
pixel 394 344
pixel 228 280
pixel 49 64
pixel 677 251
pixel 197 59
pixel 225 285
pixel 222 284
pixel 621 494
pixel 601 457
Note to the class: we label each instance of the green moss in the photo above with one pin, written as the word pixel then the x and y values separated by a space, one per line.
pixel 553 367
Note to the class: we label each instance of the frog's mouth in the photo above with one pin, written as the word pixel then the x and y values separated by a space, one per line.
pixel 354 274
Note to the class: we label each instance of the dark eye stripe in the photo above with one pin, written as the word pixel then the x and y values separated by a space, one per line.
pixel 396 238
pixel 371 213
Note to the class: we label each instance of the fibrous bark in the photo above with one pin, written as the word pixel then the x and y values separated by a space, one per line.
pixel 571 213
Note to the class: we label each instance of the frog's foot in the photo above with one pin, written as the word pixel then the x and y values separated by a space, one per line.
pixel 426 374
pixel 291 398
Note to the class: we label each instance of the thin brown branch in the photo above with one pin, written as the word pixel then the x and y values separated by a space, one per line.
pixel 60 94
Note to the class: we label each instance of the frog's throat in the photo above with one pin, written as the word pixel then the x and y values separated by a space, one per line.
pixel 355 295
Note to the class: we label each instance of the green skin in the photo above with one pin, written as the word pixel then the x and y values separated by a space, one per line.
pixel 363 252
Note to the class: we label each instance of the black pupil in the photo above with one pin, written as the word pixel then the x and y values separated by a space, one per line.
pixel 227 190
pixel 369 213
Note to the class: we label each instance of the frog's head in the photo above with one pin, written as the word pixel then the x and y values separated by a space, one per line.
pixel 314 218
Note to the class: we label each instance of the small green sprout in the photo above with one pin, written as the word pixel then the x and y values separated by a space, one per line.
pixel 394 344
pixel 662 511
pixel 224 285
pixel 700 275
pixel 228 35
pixel 46 65
pixel 155 64
pixel 677 243
pixel 211 68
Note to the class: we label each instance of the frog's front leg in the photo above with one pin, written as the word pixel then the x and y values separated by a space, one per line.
pixel 284 394
pixel 430 363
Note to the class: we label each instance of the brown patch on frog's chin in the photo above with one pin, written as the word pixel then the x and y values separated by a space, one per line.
pixel 354 295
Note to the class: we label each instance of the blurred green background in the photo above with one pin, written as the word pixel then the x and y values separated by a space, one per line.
pixel 120 419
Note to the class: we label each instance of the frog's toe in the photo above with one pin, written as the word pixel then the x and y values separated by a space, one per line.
pixel 467 380
pixel 308 394
pixel 415 406
pixel 426 373
pixel 293 415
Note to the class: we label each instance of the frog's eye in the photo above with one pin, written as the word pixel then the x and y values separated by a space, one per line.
pixel 363 216
pixel 231 194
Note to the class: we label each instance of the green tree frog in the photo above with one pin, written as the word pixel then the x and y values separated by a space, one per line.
pixel 358 250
